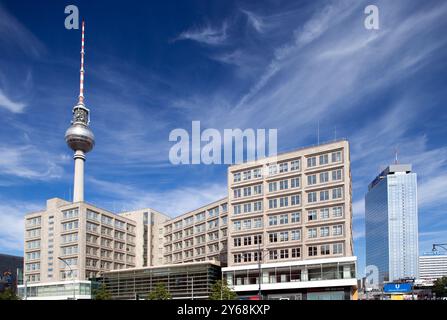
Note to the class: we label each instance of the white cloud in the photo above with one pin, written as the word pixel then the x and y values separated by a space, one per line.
pixel 12 224
pixel 255 21
pixel 207 35
pixel 8 104
pixel 29 162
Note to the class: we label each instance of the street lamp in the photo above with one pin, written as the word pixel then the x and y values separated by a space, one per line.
pixel 72 276
pixel 260 257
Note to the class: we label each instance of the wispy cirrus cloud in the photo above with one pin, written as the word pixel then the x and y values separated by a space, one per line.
pixel 206 35
pixel 28 162
pixel 256 21
pixel 10 105
pixel 14 35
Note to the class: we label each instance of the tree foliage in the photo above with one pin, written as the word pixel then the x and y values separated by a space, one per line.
pixel 440 287
pixel 8 294
pixel 221 291
pixel 102 293
pixel 159 293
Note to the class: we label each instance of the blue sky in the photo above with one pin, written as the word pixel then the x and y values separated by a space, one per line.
pixel 152 67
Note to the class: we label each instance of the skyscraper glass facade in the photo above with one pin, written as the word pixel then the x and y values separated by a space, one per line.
pixel 392 223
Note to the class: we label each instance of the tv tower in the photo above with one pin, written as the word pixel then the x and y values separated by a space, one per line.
pixel 78 136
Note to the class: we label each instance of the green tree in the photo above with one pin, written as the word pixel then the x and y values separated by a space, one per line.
pixel 102 293
pixel 8 294
pixel 221 291
pixel 440 287
pixel 159 293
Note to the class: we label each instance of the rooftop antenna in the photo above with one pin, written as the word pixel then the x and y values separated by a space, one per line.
pixel 396 154
pixel 81 76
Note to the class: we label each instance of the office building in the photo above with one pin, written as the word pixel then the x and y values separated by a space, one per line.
pixel 149 236
pixel 432 266
pixel 199 235
pixel 290 225
pixel 391 223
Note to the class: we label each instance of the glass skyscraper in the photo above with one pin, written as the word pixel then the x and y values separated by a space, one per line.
pixel 391 217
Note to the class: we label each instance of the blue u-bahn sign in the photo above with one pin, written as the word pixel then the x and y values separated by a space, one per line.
pixel 397 288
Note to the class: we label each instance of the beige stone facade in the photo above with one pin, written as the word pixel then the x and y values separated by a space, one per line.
pixel 89 239
pixel 296 206
pixel 198 235
pixel 149 240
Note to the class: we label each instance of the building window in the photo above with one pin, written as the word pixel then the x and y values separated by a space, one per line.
pixel 312 179
pixel 324 195
pixel 295 199
pixel 283 202
pixel 324 159
pixel 257 239
pixel 273 220
pixel 237 177
pixel 337 212
pixel 257 173
pixel 257 189
pixel 296 252
pixel 258 223
pixel 336 174
pixel 247 241
pixel 273 254
pixel 237 209
pixel 237 258
pixel 247 207
pixel 284 219
pixel 247 191
pixel 312 233
pixel 284 253
pixel 313 251
pixel 337 230
pixel 273 203
pixel 237 225
pixel 312 215
pixel 283 167
pixel 284 236
pixel 283 184
pixel 273 169
pixel 257 206
pixel 311 162
pixel 337 248
pixel 237 193
pixel 272 186
pixel 336 193
pixel 295 217
pixel 247 257
pixel 324 177
pixel 324 232
pixel 295 182
pixel 295 165
pixel 336 156
pixel 295 235
pixel 247 224
pixel 312 197
pixel 324 213
pixel 273 237
pixel 325 250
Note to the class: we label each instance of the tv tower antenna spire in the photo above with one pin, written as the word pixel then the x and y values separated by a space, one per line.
pixel 79 136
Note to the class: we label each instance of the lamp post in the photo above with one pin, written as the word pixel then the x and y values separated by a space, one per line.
pixel 260 257
pixel 72 276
